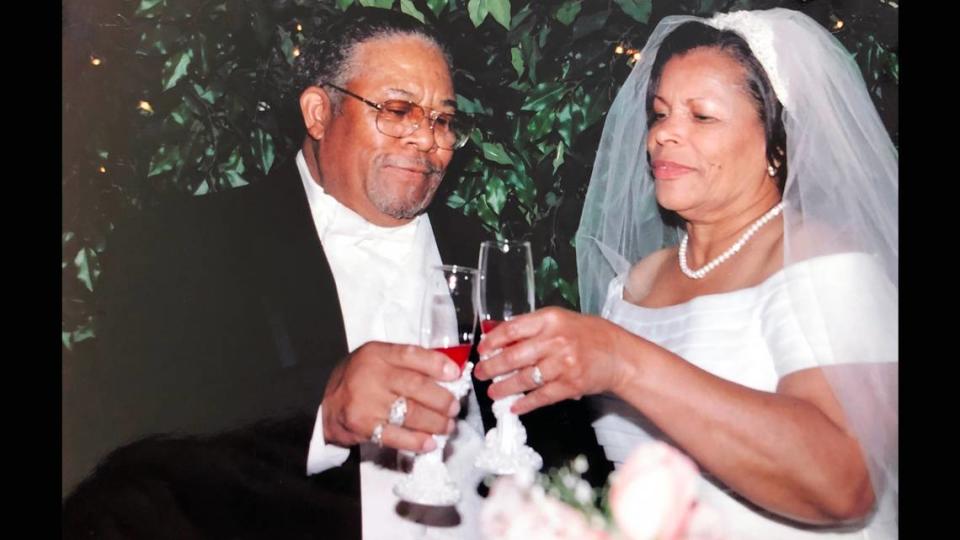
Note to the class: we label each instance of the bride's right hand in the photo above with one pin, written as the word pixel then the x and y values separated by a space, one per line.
pixel 576 354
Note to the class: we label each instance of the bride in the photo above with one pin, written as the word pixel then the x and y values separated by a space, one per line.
pixel 739 242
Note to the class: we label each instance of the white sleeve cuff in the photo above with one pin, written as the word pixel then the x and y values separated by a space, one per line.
pixel 323 456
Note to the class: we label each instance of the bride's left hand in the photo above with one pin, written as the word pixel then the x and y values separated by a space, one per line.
pixel 576 354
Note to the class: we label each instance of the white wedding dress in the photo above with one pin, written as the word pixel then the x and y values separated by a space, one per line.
pixel 753 337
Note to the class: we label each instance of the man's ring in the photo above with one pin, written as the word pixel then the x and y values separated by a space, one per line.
pixel 377 437
pixel 398 411
pixel 537 376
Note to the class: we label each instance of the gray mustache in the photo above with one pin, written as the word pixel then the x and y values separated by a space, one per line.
pixel 409 163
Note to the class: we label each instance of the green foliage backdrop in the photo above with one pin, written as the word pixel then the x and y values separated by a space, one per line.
pixel 188 96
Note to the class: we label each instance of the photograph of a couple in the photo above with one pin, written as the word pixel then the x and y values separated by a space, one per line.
pixel 480 269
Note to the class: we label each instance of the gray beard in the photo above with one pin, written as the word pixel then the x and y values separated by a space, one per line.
pixel 401 209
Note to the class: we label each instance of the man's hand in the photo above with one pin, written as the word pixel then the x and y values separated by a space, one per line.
pixel 362 388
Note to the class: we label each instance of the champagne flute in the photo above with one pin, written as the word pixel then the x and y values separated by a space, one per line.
pixel 447 325
pixel 505 291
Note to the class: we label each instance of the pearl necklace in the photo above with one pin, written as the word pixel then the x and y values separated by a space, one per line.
pixel 698 274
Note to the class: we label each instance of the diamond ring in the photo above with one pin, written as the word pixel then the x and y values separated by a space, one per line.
pixel 377 437
pixel 537 376
pixel 398 411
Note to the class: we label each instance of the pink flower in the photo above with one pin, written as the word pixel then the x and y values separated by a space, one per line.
pixel 514 513
pixel 652 495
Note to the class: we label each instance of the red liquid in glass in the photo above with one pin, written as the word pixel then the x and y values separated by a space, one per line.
pixel 458 354
pixel 488 326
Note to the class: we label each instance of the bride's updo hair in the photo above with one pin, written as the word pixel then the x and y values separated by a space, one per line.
pixel 694 35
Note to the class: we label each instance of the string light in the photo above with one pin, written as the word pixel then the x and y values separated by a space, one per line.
pixel 95 61
pixel 296 52
pixel 636 57
pixel 619 49
pixel 299 27
pixel 145 106
pixel 103 170
pixel 838 25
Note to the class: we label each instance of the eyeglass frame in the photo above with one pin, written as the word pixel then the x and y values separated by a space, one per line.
pixel 433 115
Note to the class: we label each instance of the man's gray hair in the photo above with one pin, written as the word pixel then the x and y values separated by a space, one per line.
pixel 330 57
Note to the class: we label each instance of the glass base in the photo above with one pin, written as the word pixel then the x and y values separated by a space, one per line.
pixel 427 493
pixel 495 461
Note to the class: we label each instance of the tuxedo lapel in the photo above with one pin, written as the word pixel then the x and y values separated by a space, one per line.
pixel 301 305
pixel 299 295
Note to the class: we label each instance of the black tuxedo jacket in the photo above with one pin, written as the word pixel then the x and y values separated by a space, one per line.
pixel 219 327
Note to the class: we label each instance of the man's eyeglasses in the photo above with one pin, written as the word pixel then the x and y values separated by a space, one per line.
pixel 399 118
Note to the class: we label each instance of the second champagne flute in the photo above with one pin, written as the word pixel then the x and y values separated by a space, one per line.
pixel 505 291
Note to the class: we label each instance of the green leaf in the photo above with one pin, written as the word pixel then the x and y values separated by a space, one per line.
pixel 202 189
pixel 517 60
pixel 567 12
pixel 540 124
pixel 232 170
pixel 88 267
pixel 593 105
pixel 500 9
pixel 551 198
pixel 344 4
pixel 83 333
pixel 146 6
pixel 263 148
pixel 525 190
pixel 407 7
pixel 558 159
pixel 159 39
pixel 589 24
pixel 163 160
pixel 205 94
pixel 528 46
pixel 385 4
pixel 476 136
pixel 542 36
pixel 495 152
pixel 496 195
pixel 546 275
pixel 202 66
pixel 286 45
pixel 545 95
pixel 706 6
pixel 181 114
pixel 477 9
pixel 471 106
pixel 455 201
pixel 436 6
pixel 65 338
pixel 569 292
pixel 487 215
pixel 565 122
pixel 638 9
pixel 517 19
pixel 176 67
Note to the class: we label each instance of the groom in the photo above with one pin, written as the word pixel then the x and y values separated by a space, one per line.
pixel 265 324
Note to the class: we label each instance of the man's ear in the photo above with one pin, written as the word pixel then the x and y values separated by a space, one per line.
pixel 316 109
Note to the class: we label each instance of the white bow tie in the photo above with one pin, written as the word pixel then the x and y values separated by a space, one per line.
pixel 340 228
pixel 346 229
